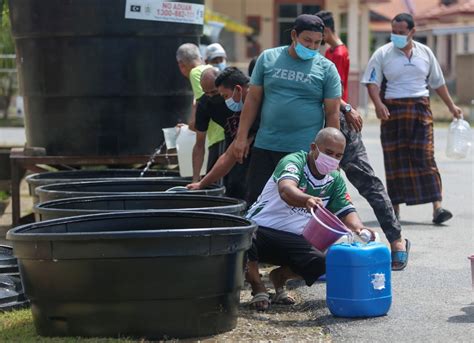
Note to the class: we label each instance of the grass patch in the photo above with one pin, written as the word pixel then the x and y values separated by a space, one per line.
pixel 4 195
pixel 12 122
pixel 17 326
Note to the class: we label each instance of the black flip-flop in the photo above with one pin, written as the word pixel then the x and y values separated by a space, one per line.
pixel 441 215
pixel 401 257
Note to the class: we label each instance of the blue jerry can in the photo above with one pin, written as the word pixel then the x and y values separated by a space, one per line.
pixel 358 280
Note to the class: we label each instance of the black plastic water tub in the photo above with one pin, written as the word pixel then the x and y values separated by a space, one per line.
pixel 142 274
pixel 67 176
pixel 118 203
pixel 95 82
pixel 115 187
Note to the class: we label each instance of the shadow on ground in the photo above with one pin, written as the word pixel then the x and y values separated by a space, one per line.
pixel 467 317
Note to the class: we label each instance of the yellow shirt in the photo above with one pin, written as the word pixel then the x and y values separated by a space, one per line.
pixel 215 133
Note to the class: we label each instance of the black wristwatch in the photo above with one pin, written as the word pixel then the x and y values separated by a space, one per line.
pixel 347 108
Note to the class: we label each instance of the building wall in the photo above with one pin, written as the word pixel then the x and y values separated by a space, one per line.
pixel 356 30
pixel 239 10
pixel 465 43
pixel 465 75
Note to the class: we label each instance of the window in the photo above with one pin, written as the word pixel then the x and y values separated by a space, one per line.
pixel 286 12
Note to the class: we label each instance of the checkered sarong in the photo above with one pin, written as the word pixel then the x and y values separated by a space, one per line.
pixel 407 141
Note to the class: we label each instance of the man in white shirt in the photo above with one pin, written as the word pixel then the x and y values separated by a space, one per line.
pixel 403 70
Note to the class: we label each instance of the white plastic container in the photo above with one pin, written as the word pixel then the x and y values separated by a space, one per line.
pixel 170 133
pixel 364 237
pixel 459 139
pixel 184 145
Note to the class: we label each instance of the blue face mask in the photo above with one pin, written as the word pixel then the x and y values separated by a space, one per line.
pixel 221 66
pixel 232 105
pixel 400 41
pixel 305 53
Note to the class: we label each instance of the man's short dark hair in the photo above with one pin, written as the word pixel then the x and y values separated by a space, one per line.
pixel 231 77
pixel 407 18
pixel 327 19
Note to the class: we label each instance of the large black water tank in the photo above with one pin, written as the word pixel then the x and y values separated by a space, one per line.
pixel 141 274
pixel 94 82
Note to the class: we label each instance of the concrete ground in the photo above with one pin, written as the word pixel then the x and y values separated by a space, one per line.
pixel 433 299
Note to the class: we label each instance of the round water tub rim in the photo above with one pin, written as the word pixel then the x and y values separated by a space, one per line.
pixel 48 206
pixel 37 177
pixel 171 180
pixel 23 232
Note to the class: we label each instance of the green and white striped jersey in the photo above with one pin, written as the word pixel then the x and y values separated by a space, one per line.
pixel 271 211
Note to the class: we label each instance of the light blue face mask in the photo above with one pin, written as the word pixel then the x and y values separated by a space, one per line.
pixel 305 53
pixel 221 66
pixel 232 105
pixel 400 41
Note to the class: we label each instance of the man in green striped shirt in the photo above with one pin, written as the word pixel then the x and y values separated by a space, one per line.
pixel 300 182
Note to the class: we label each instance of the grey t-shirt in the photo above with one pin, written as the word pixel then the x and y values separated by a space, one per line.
pixel 406 77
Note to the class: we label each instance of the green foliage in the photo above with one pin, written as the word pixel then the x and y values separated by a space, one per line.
pixel 7 45
pixel 7 64
pixel 4 195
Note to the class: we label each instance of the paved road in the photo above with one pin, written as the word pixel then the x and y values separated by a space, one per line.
pixel 433 300
pixel 12 136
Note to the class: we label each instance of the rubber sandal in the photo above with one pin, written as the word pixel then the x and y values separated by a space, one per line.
pixel 259 298
pixel 441 215
pixel 282 297
pixel 400 258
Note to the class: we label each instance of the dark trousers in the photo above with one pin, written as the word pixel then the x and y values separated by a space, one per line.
pixel 355 164
pixel 236 182
pixel 215 150
pixel 262 165
pixel 282 248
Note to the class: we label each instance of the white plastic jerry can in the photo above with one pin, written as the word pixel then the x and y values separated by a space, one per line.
pixel 459 139
pixel 184 147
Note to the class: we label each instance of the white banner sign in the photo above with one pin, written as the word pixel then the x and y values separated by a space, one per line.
pixel 158 10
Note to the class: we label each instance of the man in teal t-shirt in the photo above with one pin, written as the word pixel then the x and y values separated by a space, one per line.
pixel 298 91
pixel 300 182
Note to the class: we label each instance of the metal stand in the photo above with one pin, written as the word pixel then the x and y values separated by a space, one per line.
pixel 23 159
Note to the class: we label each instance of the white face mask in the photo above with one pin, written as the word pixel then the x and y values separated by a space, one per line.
pixel 325 163
pixel 234 106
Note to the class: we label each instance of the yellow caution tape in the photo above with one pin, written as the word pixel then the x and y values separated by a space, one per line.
pixel 229 24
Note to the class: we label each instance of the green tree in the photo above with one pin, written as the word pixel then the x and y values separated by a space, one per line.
pixel 7 64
